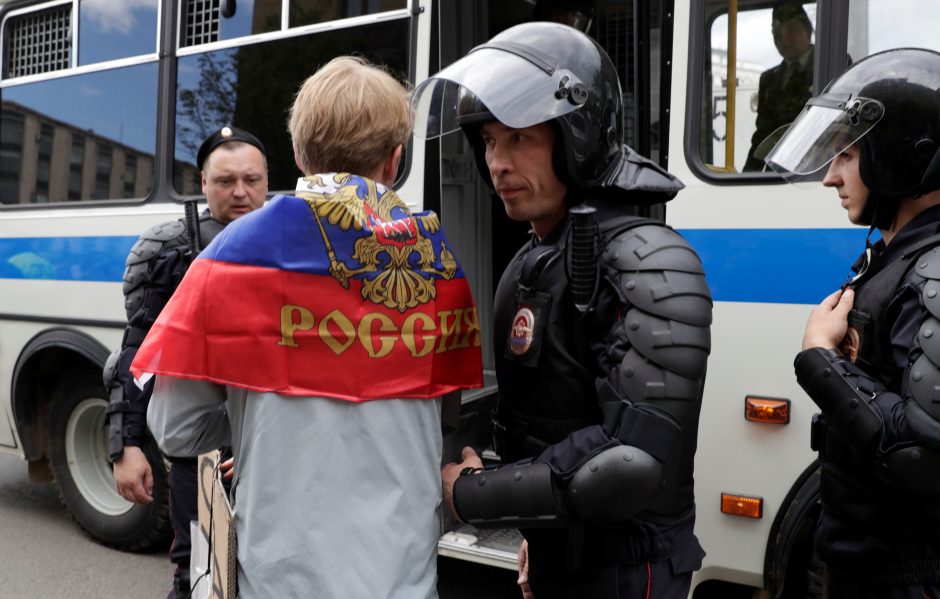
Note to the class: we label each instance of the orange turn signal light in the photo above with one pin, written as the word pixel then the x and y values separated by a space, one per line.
pixel 766 409
pixel 742 505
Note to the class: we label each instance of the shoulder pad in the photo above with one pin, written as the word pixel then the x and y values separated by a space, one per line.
pixel 928 336
pixel 156 239
pixel 931 297
pixel 928 264
pixel 651 247
pixel 641 381
pixel 671 294
pixel 678 347
pixel 923 383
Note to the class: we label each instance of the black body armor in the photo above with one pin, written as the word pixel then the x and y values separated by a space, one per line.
pixel 880 468
pixel 606 394
pixel 155 266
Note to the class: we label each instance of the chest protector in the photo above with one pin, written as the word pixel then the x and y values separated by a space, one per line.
pixel 869 336
pixel 544 361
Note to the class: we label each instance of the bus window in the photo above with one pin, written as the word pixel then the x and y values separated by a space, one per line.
pixel 222 87
pixel 308 12
pixel 209 21
pixel 37 42
pixel 111 30
pixel 768 52
pixel 877 25
pixel 76 138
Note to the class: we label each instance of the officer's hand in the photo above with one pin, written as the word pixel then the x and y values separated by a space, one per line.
pixel 133 476
pixel 450 473
pixel 523 581
pixel 828 322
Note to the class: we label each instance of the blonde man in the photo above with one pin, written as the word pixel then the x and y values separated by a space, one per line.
pixel 311 340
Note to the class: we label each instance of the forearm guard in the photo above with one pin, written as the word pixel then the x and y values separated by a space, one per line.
pixel 513 496
pixel 842 392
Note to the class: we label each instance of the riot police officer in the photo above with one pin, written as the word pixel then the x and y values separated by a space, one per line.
pixel 601 325
pixel 234 175
pixel 870 357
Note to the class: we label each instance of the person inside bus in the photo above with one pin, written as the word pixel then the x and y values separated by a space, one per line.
pixel 785 88
pixel 234 172
pixel 574 13
pixel 869 359
pixel 335 421
pixel 597 419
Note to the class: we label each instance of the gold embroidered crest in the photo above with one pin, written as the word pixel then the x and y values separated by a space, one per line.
pixel 395 248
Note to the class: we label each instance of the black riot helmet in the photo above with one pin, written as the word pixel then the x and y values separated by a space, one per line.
pixel 888 104
pixel 536 73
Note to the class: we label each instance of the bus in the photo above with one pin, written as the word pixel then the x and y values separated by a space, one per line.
pixel 102 107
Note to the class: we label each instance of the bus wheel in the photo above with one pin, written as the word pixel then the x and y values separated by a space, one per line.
pixel 83 474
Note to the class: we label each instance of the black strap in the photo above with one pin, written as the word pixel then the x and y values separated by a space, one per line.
pixel 638 426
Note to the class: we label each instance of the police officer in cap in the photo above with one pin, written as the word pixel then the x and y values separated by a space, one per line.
pixel 871 359
pixel 235 180
pixel 601 325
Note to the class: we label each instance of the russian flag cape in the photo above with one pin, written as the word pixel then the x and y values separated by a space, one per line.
pixel 338 291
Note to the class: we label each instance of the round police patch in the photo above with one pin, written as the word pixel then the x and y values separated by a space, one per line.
pixel 520 335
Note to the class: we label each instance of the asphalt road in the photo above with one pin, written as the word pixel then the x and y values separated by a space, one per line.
pixel 44 554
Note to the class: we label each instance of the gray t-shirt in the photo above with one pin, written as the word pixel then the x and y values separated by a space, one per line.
pixel 332 498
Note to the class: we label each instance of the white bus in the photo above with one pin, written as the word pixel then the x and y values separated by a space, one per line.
pixel 103 103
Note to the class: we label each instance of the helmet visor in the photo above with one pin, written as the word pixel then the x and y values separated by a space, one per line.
pixel 519 91
pixel 825 128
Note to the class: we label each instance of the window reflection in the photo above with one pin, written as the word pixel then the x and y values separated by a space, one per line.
pixel 110 30
pixel 83 133
pixel 223 87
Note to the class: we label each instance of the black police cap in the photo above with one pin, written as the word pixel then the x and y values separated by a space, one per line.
pixel 225 135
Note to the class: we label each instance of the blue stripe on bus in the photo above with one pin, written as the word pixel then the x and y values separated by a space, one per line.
pixel 99 259
pixel 781 266
pixel 793 266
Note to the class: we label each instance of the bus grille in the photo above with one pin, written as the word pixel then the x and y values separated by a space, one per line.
pixel 39 42
pixel 202 22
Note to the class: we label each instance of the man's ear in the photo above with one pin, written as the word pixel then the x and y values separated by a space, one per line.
pixel 204 182
pixel 390 166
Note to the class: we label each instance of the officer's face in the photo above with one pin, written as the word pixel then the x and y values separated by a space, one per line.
pixel 520 164
pixel 843 174
pixel 235 181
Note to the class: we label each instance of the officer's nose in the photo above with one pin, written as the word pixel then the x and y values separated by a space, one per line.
pixel 240 189
pixel 498 160
pixel 832 178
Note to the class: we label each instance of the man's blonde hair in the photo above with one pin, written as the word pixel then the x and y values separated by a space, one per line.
pixel 348 117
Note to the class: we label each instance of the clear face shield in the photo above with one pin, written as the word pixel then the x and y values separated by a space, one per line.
pixel 518 87
pixel 826 127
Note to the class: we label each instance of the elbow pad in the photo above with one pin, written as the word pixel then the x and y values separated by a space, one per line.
pixel 842 392
pixel 511 496
pixel 615 484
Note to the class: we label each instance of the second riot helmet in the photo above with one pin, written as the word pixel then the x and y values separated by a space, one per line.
pixel 888 104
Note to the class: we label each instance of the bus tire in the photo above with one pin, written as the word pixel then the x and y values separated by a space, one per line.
pixel 83 475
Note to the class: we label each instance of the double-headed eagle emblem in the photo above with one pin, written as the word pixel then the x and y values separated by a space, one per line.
pixel 396 249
